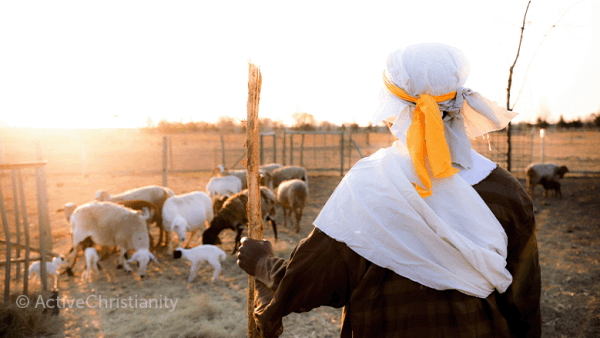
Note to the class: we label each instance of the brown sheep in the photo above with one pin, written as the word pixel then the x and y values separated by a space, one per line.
pixel 535 172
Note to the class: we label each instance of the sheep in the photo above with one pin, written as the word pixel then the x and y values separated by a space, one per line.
pixel 139 205
pixel 287 173
pixel 187 212
pixel 218 201
pixel 152 193
pixel 233 216
pixel 220 171
pixel 551 185
pixel 267 170
pixel 535 172
pixel 224 185
pixel 110 224
pixel 210 253
pixel 91 262
pixel 51 268
pixel 292 195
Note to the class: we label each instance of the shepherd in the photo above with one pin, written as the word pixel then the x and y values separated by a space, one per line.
pixel 426 238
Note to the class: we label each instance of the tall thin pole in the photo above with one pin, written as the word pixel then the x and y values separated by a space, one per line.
pixel 255 226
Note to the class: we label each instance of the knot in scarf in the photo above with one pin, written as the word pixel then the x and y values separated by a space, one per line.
pixel 425 137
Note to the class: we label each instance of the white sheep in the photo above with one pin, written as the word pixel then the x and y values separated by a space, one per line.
pixel 240 173
pixel 210 253
pixel 292 196
pixel 51 268
pixel 91 262
pixel 223 185
pixel 288 173
pixel 154 194
pixel 536 171
pixel 187 212
pixel 111 224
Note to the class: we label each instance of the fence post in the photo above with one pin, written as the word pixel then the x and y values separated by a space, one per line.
pixel 222 151
pixel 43 219
pixel 292 149
pixel 302 152
pixel 8 250
pixel 164 168
pixel 274 147
pixel 284 147
pixel 17 219
pixel 262 150
pixel 543 137
pixel 26 232
pixel 342 152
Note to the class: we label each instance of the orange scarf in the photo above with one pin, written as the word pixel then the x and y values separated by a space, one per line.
pixel 426 137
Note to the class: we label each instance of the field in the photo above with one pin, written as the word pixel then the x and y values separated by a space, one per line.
pixel 568 240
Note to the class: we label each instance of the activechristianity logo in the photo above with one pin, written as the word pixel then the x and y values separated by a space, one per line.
pixel 100 302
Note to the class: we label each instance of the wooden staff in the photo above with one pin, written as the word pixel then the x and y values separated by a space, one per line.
pixel 255 226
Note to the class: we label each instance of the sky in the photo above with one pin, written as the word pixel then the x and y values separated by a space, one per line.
pixel 115 64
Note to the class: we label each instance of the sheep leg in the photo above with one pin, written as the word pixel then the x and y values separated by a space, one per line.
pixel 298 217
pixel 273 224
pixel 122 261
pixel 190 239
pixel 193 271
pixel 217 265
pixel 238 237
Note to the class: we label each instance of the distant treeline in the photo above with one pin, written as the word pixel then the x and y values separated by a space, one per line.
pixel 305 122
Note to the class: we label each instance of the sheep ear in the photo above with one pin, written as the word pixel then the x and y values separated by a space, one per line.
pixel 145 214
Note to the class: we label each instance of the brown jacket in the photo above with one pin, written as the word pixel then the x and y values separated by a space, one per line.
pixel 379 303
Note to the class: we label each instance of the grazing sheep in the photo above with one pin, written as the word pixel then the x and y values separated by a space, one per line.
pixel 139 205
pixel 210 253
pixel 288 173
pixel 91 263
pixel 224 185
pixel 233 215
pixel 154 194
pixel 535 172
pixel 292 195
pixel 187 212
pixel 551 185
pixel 111 224
pixel 51 268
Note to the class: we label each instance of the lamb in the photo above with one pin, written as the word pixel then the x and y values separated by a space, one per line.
pixel 292 195
pixel 224 185
pixel 535 172
pixel 210 253
pixel 218 201
pixel 288 173
pixel 154 194
pixel 51 268
pixel 91 262
pixel 111 224
pixel 551 185
pixel 187 212
pixel 233 215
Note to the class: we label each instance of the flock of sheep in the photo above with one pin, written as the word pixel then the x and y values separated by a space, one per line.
pixel 123 220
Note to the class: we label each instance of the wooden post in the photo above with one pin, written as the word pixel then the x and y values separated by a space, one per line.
pixel 255 226
pixel 8 250
pixel 274 147
pixel 342 154
pixel 223 152
pixel 302 151
pixel 44 233
pixel 284 146
pixel 164 164
pixel 13 175
pixel 26 233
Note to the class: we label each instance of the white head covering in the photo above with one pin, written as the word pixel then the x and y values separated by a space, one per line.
pixel 438 69
pixel 450 239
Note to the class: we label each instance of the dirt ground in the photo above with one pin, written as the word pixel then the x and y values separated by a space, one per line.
pixel 568 239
